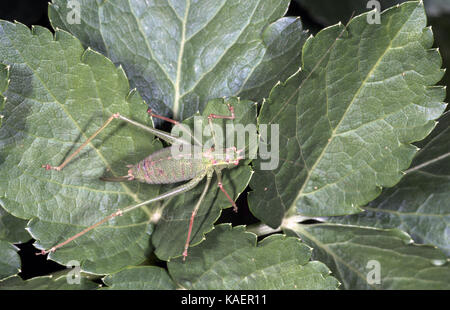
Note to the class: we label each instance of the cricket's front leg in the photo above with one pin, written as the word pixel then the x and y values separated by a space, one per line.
pixel 216 116
pixel 231 116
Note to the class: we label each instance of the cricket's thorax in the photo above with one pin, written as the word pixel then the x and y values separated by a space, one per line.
pixel 162 167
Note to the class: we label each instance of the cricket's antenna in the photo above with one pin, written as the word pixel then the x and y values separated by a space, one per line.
pixel 351 16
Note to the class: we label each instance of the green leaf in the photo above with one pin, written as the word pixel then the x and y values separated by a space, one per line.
pixel 230 259
pixel 420 203
pixel 180 54
pixel 441 28
pixel 12 229
pixel 170 234
pixel 57 281
pixel 4 78
pixel 328 12
pixel 9 260
pixel 353 254
pixel 4 83
pixel 59 95
pixel 348 118
pixel 140 278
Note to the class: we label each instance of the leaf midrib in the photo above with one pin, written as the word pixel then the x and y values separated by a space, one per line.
pixel 176 101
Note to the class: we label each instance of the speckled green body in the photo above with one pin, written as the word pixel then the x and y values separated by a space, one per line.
pixel 162 167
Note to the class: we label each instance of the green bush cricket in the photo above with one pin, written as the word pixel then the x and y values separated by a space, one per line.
pixel 195 167
pixel 162 167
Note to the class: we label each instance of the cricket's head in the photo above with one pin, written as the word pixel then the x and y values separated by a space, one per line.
pixel 226 158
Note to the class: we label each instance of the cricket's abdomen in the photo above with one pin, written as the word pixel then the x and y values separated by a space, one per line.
pixel 162 167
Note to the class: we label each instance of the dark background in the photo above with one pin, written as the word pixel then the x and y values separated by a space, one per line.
pixel 34 12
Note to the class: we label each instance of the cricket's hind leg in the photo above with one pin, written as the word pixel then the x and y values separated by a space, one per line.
pixel 194 212
pixel 68 159
pixel 159 133
pixel 173 192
